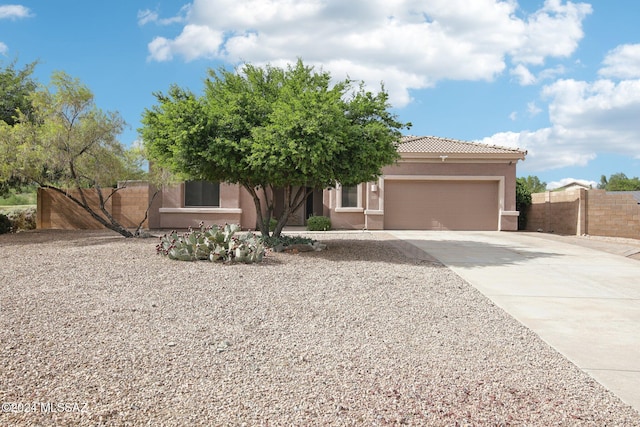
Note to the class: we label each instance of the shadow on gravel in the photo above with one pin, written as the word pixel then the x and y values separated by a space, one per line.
pixel 390 251
pixel 66 237
pixel 459 252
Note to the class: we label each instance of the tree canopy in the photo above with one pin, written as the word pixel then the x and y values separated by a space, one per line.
pixel 16 87
pixel 619 182
pixel 533 184
pixel 268 127
pixel 66 142
pixel 523 200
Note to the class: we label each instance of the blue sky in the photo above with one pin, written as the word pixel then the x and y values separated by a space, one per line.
pixel 559 79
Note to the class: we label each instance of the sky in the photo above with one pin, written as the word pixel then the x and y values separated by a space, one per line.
pixel 557 78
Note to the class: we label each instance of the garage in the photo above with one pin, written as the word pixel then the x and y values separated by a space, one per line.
pixel 441 204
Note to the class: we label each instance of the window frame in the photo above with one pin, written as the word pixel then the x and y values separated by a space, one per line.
pixel 203 183
pixel 359 205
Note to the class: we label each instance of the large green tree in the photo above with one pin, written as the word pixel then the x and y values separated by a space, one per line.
pixel 16 87
pixel 66 142
pixel 269 127
pixel 619 182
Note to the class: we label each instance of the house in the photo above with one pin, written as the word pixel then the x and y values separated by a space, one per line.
pixel 573 185
pixel 438 184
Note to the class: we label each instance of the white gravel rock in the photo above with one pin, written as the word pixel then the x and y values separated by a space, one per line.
pixel 356 334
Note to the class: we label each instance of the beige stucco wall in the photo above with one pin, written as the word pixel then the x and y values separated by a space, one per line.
pixel 237 206
pixel 173 214
pixel 502 175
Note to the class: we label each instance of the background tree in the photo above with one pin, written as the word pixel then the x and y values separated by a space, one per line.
pixel 523 201
pixel 534 185
pixel 16 87
pixel 66 142
pixel 619 182
pixel 268 128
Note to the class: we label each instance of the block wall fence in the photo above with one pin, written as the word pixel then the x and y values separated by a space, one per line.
pixel 127 205
pixel 581 211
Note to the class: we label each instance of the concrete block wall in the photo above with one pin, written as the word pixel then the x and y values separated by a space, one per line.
pixel 130 204
pixel 57 211
pixel 580 211
pixel 610 214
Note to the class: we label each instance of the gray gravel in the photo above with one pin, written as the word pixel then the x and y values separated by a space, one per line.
pixel 98 330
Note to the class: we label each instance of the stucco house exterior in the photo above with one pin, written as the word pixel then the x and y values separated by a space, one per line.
pixel 438 184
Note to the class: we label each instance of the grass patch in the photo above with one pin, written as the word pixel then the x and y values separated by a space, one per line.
pixel 19 199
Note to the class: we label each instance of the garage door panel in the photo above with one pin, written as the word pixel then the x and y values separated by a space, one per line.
pixel 441 205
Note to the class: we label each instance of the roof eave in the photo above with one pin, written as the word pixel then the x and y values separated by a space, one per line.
pixel 464 157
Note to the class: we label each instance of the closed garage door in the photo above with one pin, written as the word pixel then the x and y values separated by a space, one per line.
pixel 441 205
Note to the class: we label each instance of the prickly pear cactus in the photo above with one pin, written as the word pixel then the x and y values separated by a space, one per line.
pixel 215 243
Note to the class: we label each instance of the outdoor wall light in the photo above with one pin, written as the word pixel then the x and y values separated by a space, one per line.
pixel 374 187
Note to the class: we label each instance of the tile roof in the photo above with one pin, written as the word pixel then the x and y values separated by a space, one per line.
pixel 434 144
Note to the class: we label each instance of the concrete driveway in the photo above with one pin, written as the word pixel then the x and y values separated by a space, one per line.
pixel 583 301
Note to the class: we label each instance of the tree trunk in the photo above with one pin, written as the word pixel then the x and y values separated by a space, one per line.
pixel 292 204
pixel 264 230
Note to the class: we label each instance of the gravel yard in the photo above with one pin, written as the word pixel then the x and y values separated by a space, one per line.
pixel 99 330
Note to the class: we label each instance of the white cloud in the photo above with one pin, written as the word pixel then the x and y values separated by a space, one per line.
pixel 547 148
pixel 188 44
pixel 623 62
pixel 14 11
pixel 524 76
pixel 146 16
pixel 533 109
pixel 586 118
pixel 564 181
pixel 408 44
pixel 513 116
pixel 553 31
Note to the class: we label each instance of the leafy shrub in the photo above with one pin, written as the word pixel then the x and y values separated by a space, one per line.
pixel 23 219
pixel 523 201
pixel 5 224
pixel 214 243
pixel 272 224
pixel 318 223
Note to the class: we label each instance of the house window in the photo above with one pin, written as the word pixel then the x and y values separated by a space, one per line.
pixel 349 197
pixel 201 193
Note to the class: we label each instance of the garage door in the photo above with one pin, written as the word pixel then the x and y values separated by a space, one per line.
pixel 441 205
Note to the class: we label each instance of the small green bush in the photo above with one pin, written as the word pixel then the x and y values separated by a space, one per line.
pixel 282 240
pixel 5 224
pixel 22 219
pixel 318 223
pixel 272 224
